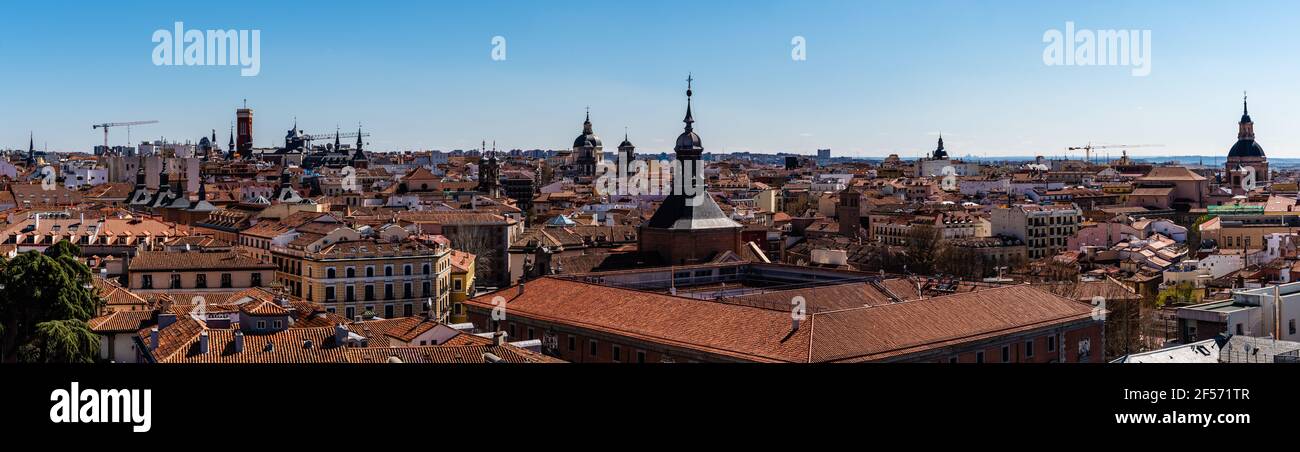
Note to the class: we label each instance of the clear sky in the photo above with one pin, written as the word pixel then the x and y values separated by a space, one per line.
pixel 880 76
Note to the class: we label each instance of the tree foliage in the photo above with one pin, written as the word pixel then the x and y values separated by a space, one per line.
pixel 45 302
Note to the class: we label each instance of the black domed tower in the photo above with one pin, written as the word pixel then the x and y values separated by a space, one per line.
pixel 588 150
pixel 626 154
pixel 689 227
pixel 1246 152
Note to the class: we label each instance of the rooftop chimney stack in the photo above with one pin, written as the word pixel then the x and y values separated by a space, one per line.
pixel 340 334
pixel 203 342
pixel 153 338
pixel 499 338
pixel 521 289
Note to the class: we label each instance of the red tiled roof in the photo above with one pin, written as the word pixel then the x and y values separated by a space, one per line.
pixel 196 260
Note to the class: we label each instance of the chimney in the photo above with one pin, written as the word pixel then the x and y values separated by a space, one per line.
pixel 499 338
pixel 239 341
pixel 340 334
pixel 521 289
pixel 153 338
pixel 165 319
pixel 203 342
pixel 491 358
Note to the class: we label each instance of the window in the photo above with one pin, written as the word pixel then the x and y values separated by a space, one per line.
pixel 388 291
pixel 512 330
pixel 146 282
pixel 201 281
pixel 952 360
pixel 531 333
pixel 406 310
pixel 406 290
pixel 329 272
pixel 351 272
pixel 593 347
pixel 351 312
pixel 261 324
pixel 640 356
pixel 176 281
pixel 329 294
pixel 979 357
pixel 427 289
pixel 388 311
pixel 618 353
pixel 1240 330
pixel 370 271
pixel 456 283
pixel 573 342
pixel 1029 349
pixel 349 293
pixel 1006 353
pixel 457 308
pixel 257 279
pixel 1290 326
pixel 388 270
pixel 1051 343
pixel 426 269
pixel 406 269
pixel 277 324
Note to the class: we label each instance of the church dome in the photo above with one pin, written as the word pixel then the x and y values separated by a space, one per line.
pixel 587 139
pixel 689 140
pixel 1246 148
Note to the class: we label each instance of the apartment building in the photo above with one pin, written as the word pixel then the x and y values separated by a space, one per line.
pixel 1045 229
pixel 383 277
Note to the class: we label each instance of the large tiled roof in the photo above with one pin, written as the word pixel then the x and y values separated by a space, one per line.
pixel 877 332
pixel 196 260
pixel 121 321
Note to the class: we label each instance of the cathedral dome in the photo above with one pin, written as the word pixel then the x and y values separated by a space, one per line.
pixel 1246 148
pixel 587 139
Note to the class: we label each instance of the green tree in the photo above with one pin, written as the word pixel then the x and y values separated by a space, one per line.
pixel 45 301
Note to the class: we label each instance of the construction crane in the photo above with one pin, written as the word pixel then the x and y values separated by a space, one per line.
pixel 128 125
pixel 317 137
pixel 1087 150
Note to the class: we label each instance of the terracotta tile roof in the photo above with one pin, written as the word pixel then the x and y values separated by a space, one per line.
pixel 287 346
pixel 121 321
pixel 454 218
pixel 737 332
pixel 817 299
pixel 893 330
pixel 263 308
pixel 444 354
pixel 406 329
pixel 1171 173
pixel 196 260
pixel 876 332
pixel 266 230
pixel 115 296
pixel 461 262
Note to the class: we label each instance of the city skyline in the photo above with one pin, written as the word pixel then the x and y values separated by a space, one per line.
pixel 422 77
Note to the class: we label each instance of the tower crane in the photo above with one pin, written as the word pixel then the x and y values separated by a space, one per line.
pixel 128 125
pixel 1087 150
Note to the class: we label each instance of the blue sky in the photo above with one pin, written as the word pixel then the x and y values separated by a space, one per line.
pixel 880 77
